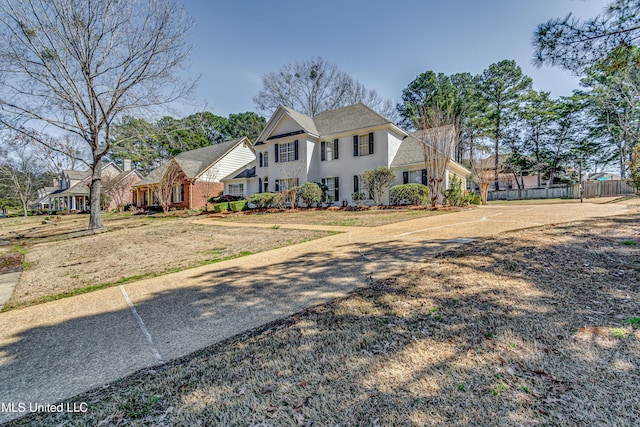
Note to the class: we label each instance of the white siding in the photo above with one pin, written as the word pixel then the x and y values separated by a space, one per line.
pixel 286 125
pixel 234 160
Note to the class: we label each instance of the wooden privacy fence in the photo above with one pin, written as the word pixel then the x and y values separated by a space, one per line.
pixel 591 189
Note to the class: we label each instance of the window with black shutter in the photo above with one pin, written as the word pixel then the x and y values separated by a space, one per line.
pixel 424 176
pixel 405 177
pixel 277 185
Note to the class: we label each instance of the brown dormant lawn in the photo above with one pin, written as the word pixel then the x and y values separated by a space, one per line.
pixel 532 328
pixel 61 259
pixel 360 218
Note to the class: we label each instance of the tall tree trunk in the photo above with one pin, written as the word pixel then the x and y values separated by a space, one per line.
pixel 95 221
pixel 25 212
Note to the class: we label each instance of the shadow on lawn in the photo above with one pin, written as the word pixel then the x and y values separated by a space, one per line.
pixel 487 334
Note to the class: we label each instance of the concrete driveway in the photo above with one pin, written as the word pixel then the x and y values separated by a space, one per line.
pixel 57 350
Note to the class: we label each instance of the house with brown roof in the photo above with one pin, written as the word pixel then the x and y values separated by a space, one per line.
pixel 195 175
pixel 335 147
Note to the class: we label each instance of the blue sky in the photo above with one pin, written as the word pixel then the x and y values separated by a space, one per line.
pixel 383 44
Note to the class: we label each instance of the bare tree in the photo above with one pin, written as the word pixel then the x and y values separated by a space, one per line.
pixel 437 132
pixel 482 172
pixel 163 190
pixel 117 190
pixel 314 86
pixel 19 170
pixel 78 65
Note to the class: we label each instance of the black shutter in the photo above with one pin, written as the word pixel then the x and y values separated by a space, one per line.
pixel 277 185
pixel 405 177
pixel 424 176
pixel 355 145
pixel 259 185
pixel 260 159
pixel 335 148
pixel 323 151
pixel 336 182
pixel 356 183
pixel 277 153
pixel 295 149
pixel 371 143
pixel 323 181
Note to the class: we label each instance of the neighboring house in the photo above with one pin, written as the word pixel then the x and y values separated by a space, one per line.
pixel 333 148
pixel 71 188
pixel 603 176
pixel 198 177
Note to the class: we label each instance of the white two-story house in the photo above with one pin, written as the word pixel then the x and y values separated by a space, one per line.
pixel 333 148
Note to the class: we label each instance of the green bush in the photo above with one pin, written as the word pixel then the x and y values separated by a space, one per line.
pixel 454 195
pixel 221 207
pixel 310 193
pixel 262 200
pixel 413 194
pixel 472 199
pixel 238 206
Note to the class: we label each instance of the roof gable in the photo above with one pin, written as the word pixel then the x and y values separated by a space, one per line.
pixel 194 162
pixel 286 122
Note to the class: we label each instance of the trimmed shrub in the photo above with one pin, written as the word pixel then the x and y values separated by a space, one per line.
pixel 262 200
pixel 413 194
pixel 221 207
pixel 310 193
pixel 238 206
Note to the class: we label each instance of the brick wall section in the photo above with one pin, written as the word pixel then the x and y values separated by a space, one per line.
pixel 200 190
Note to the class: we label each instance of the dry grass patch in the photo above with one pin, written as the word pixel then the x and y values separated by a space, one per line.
pixel 519 330
pixel 134 247
pixel 355 218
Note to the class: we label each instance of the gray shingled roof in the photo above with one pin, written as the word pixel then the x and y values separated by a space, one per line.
pixel 353 117
pixel 193 162
pixel 72 174
pixel 409 152
pixel 345 119
pixel 411 149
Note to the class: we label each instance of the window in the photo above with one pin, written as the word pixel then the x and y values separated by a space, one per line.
pixel 177 194
pixel 286 184
pixel 329 150
pixel 265 159
pixel 266 184
pixel 236 189
pixel 287 152
pixel 415 177
pixel 333 188
pixel 363 144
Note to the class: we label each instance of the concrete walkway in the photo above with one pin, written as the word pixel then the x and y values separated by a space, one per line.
pixel 56 350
